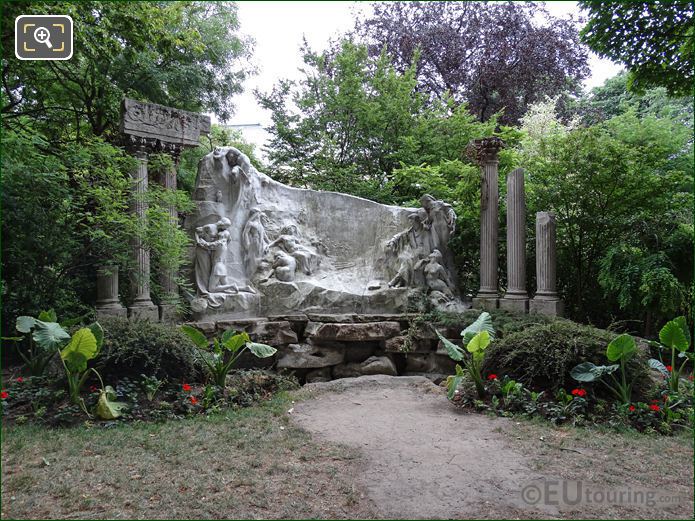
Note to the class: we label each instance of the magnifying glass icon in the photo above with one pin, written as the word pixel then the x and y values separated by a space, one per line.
pixel 42 35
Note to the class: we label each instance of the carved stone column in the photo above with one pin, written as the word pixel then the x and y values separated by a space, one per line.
pixel 516 297
pixel 149 126
pixel 546 300
pixel 170 290
pixel 485 151
pixel 143 307
pixel 108 304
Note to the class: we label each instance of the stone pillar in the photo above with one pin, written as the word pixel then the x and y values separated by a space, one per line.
pixel 108 303
pixel 516 297
pixel 546 300
pixel 485 151
pixel 143 307
pixel 170 290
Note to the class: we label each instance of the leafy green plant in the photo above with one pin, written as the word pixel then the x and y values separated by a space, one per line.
pixel 620 349
pixel 221 355
pixel 151 385
pixel 43 336
pixel 674 336
pixel 476 338
pixel 84 345
pixel 107 408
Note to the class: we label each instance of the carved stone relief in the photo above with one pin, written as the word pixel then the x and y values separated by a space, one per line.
pixel 264 247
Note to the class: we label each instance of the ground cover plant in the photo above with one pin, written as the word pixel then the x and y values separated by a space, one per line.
pixel 592 395
pixel 132 371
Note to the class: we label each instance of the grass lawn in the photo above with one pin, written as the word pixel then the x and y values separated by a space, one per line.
pixel 249 463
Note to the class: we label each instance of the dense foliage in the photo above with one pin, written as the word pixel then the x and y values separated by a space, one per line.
pixel 66 180
pixel 496 56
pixel 543 356
pixel 622 193
pixel 530 372
pixel 132 348
pixel 655 40
pixel 182 54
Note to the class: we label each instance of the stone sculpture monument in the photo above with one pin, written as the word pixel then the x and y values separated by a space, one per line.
pixel 264 248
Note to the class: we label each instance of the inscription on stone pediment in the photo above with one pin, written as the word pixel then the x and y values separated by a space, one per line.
pixel 166 124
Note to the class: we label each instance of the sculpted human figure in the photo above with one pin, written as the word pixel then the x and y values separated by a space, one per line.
pixel 284 266
pixel 254 241
pixel 218 275
pixel 441 221
pixel 204 237
pixel 436 276
pixel 307 260
pixel 416 237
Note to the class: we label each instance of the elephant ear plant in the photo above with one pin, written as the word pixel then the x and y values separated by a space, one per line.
pixel 621 349
pixel 84 345
pixel 43 336
pixel 675 337
pixel 222 353
pixel 476 338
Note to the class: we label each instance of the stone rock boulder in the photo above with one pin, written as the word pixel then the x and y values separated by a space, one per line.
pixel 319 375
pixel 352 332
pixel 372 365
pixel 307 356
pixel 378 365
pixel 275 333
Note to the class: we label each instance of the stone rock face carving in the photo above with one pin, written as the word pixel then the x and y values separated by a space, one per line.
pixel 307 260
pixel 254 241
pixel 262 247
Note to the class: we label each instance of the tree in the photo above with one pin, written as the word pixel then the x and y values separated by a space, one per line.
pixel 352 115
pixel 65 178
pixel 614 98
pixel 622 192
pixel 494 56
pixel 182 54
pixel 653 39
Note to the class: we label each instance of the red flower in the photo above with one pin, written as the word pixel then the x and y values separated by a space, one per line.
pixel 194 400
pixel 20 379
pixel 4 395
pixel 492 376
pixel 669 368
pixel 186 387
pixel 655 407
pixel 578 392
pixel 93 388
pixel 631 408
pixel 690 378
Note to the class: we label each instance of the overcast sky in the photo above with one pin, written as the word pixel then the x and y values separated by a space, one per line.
pixel 278 28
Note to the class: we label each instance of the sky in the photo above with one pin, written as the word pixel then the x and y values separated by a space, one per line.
pixel 279 27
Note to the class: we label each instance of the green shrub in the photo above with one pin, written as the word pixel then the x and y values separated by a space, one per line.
pixel 543 355
pixel 133 348
pixel 505 322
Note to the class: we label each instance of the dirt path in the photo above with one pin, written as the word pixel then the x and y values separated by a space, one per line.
pixel 424 459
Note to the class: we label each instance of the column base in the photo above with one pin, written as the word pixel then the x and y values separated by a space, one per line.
pixel 110 312
pixel 168 314
pixel 553 308
pixel 516 305
pixel 144 312
pixel 486 303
